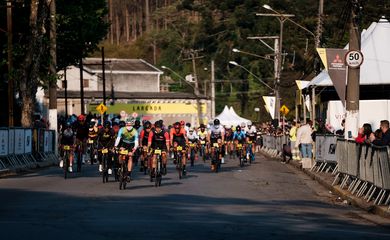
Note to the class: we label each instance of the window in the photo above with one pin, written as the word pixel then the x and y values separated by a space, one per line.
pixel 86 83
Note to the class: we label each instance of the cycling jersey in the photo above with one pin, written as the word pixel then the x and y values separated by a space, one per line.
pixel 216 133
pixel 179 137
pixel 193 138
pixel 67 137
pixel 158 139
pixel 240 136
pixel 93 133
pixel 106 139
pixel 251 133
pixel 127 138
pixel 81 131
pixel 144 135
pixel 202 135
pixel 229 135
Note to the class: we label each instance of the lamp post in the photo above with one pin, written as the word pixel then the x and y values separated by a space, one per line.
pixel 282 18
pixel 196 92
pixel 251 73
pixel 180 77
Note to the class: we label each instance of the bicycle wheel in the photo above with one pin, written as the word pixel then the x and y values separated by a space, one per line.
pixel 66 164
pixel 105 170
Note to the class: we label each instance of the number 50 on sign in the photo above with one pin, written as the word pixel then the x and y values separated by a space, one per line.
pixel 354 58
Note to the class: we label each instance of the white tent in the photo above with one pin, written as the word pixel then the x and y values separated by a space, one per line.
pixel 375 47
pixel 229 117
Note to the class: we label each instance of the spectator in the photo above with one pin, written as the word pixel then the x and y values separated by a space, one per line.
pixel 341 131
pixel 385 140
pixel 305 143
pixel 293 139
pixel 364 134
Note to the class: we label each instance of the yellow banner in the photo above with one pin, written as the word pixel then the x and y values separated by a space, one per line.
pixel 154 108
pixel 322 53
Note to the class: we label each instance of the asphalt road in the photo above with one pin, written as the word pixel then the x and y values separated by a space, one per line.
pixel 267 200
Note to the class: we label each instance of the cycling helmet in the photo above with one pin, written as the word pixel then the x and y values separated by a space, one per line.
pixel 188 124
pixel 249 123
pixel 202 125
pixel 81 117
pixel 227 126
pixel 130 121
pixel 157 124
pixel 238 128
pixel 107 124
pixel 177 125
pixel 182 122
pixel 122 124
pixel 68 124
pixel 137 123
pixel 191 130
pixel 91 124
pixel 147 125
pixel 216 121
pixel 243 125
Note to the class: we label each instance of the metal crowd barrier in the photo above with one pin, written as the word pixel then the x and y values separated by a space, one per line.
pixel 365 170
pixel 26 148
pixel 325 153
pixel 273 145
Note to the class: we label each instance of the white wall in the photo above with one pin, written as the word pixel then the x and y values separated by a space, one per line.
pixel 370 111
pixel 73 78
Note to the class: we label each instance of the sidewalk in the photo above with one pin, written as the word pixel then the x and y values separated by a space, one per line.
pixel 326 179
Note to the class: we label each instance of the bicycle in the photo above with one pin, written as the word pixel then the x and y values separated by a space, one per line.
pixel 105 164
pixel 178 159
pixel 192 153
pixel 203 150
pixel 144 160
pixel 122 171
pixel 241 156
pixel 79 155
pixel 66 161
pixel 216 158
pixel 249 152
pixel 159 167
pixel 92 150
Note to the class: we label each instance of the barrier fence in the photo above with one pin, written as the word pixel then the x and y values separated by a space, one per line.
pixel 363 169
pixel 23 148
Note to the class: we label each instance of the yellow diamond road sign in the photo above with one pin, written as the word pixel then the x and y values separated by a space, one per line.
pixel 284 109
pixel 101 108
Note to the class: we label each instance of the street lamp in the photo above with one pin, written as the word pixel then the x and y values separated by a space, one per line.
pixel 251 73
pixel 282 18
pixel 266 57
pixel 178 75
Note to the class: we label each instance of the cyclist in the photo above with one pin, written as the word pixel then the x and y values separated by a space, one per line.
pixel 192 141
pixel 68 138
pixel 137 154
pixel 216 134
pixel 229 140
pixel 106 138
pixel 178 137
pixel 128 139
pixel 82 130
pixel 92 136
pixel 239 137
pixel 202 134
pixel 251 139
pixel 159 139
pixel 143 143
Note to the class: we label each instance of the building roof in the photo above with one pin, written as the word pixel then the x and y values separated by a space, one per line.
pixel 116 65
pixel 375 69
pixel 127 95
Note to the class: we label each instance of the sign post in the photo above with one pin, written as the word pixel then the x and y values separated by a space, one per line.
pixel 101 109
pixel 284 110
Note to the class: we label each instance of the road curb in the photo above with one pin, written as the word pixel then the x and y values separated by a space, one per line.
pixel 351 199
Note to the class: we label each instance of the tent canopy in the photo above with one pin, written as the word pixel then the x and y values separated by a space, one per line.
pixel 375 47
pixel 230 117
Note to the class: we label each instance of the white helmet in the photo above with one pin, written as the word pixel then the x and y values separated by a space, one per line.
pixel 243 125
pixel 249 123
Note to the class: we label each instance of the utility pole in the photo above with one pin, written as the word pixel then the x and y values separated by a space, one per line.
pixel 66 93
pixel 81 85
pixel 212 90
pixel 193 56
pixel 104 77
pixel 53 68
pixel 10 66
pixel 352 104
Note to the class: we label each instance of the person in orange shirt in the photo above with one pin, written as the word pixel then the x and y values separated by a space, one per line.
pixel 178 137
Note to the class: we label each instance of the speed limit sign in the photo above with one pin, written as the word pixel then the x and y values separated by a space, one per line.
pixel 354 58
